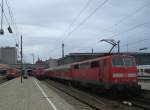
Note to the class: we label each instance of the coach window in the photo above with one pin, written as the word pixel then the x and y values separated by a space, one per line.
pixel 76 66
pixel 94 64
pixel 84 65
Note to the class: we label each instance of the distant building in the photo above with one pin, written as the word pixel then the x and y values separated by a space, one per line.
pixel 48 63
pixel 76 57
pixel 53 62
pixel 41 63
pixel 141 58
pixel 8 55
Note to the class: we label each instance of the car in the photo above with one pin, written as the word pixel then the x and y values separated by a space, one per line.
pixel 25 75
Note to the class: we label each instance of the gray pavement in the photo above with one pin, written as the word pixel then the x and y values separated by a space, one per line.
pixel 30 95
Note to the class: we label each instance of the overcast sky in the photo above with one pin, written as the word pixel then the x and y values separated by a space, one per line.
pixel 45 24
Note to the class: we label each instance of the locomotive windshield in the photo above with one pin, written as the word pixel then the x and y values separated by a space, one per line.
pixel 123 61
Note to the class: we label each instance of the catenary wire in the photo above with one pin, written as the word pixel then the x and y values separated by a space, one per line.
pixel 12 19
pixel 126 17
pixel 78 16
pixel 80 13
pixel 7 21
pixel 84 20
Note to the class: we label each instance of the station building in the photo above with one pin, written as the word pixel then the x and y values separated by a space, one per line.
pixel 141 58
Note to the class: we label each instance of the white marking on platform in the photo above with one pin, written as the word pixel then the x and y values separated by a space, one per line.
pixel 44 94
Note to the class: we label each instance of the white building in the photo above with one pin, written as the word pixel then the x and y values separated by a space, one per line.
pixel 8 55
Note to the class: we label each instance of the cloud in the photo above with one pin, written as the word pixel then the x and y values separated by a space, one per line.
pixel 44 24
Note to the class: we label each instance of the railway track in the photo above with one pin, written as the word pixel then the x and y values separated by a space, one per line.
pixel 143 101
pixel 94 102
pixel 145 92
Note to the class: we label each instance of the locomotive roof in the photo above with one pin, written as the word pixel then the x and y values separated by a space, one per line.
pixel 104 57
pixel 67 66
pixel 59 67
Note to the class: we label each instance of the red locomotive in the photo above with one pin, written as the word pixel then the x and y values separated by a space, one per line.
pixel 12 73
pixel 39 73
pixel 113 72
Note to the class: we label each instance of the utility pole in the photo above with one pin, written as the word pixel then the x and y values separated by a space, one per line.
pixel 92 50
pixel 21 60
pixel 62 50
pixel 127 48
pixel 2 13
pixel 118 46
pixel 33 56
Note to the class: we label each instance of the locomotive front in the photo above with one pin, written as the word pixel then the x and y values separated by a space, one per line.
pixel 124 72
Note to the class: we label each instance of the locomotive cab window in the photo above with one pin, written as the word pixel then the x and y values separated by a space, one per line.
pixel 129 62
pixel 94 64
pixel 117 61
pixel 123 61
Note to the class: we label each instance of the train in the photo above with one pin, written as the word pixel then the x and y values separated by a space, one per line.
pixel 39 73
pixel 109 73
pixel 12 73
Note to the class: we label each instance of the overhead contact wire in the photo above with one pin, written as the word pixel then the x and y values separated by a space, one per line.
pixel 82 22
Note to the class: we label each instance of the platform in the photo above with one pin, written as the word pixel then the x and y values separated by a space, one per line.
pixel 145 85
pixel 30 95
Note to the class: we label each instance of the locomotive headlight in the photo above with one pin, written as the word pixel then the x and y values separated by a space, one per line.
pixel 117 75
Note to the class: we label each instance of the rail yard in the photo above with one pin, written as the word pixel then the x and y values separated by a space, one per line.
pixel 52 94
pixel 59 88
pixel 74 55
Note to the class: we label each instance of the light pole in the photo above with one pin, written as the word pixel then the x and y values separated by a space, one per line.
pixel 63 50
pixel 118 46
pixel 141 49
pixel 2 12
pixel 21 60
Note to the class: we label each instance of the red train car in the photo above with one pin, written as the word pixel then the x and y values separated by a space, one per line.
pixel 12 73
pixel 39 73
pixel 61 72
pixel 115 72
